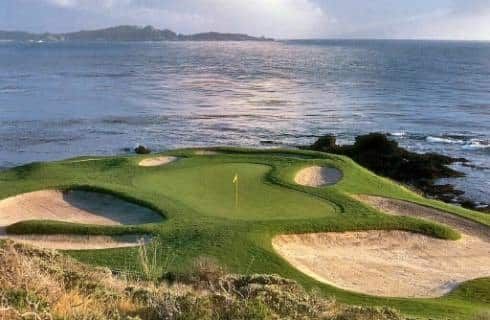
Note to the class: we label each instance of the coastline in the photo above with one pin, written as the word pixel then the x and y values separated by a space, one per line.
pixel 422 172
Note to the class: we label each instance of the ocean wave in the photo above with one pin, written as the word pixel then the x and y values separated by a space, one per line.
pixel 474 166
pixel 471 144
pixel 477 144
pixel 11 89
pixel 444 140
pixel 398 134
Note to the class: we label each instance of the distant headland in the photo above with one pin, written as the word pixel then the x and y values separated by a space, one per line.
pixel 127 33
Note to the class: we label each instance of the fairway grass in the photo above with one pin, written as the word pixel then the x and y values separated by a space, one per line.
pixel 196 195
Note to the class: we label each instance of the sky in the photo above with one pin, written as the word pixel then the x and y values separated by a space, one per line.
pixel 281 19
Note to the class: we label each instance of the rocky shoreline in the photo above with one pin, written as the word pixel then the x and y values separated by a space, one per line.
pixel 377 152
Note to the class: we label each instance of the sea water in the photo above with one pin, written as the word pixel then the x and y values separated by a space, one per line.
pixel 60 100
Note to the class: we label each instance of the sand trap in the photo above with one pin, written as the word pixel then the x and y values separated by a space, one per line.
pixel 157 161
pixel 405 208
pixel 316 176
pixel 392 263
pixel 79 242
pixel 75 207
pixel 205 152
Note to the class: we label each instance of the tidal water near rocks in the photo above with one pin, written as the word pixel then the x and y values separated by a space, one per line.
pixel 59 100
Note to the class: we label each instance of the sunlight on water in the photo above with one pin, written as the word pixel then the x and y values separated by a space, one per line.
pixel 65 99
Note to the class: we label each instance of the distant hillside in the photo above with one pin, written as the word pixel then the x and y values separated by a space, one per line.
pixel 216 36
pixel 127 33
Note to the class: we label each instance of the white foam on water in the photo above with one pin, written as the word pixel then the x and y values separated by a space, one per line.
pixel 443 140
pixel 477 144
pixel 399 134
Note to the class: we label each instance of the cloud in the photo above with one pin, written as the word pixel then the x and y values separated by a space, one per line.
pixel 471 7
pixel 442 19
pixel 63 3
pixel 427 19
pixel 88 3
pixel 278 18
pixel 468 20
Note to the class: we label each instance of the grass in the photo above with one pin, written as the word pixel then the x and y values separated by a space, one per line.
pixel 207 189
pixel 42 284
pixel 196 196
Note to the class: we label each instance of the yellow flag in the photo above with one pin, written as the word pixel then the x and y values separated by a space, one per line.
pixel 235 182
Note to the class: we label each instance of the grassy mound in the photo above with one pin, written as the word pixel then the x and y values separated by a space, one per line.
pixel 197 196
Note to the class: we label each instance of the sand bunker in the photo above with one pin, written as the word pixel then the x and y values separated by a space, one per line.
pixel 80 242
pixel 205 152
pixel 75 207
pixel 392 263
pixel 405 208
pixel 316 176
pixel 157 161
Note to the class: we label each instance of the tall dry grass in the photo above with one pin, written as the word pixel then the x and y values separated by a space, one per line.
pixel 151 262
pixel 45 285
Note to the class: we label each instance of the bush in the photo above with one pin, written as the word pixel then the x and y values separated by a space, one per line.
pixel 368 313
pixel 141 149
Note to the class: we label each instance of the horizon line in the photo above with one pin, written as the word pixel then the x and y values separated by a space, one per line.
pixel 331 38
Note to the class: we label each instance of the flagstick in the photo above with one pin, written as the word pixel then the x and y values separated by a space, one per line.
pixel 236 193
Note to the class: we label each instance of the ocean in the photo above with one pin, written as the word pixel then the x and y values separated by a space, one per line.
pixel 60 100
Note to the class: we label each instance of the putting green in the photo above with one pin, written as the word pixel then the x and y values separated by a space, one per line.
pixel 210 190
pixel 197 196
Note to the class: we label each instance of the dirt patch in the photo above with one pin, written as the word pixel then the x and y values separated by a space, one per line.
pixel 80 242
pixel 157 161
pixel 392 263
pixel 316 176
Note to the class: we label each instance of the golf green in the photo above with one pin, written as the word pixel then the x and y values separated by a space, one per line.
pixel 202 217
pixel 209 189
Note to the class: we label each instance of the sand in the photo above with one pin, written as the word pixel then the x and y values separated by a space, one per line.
pixel 157 161
pixel 392 263
pixel 205 152
pixel 72 206
pixel 405 208
pixel 316 176
pixel 80 242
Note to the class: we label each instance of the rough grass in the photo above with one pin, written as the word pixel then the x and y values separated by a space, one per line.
pixel 38 284
pixel 196 196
